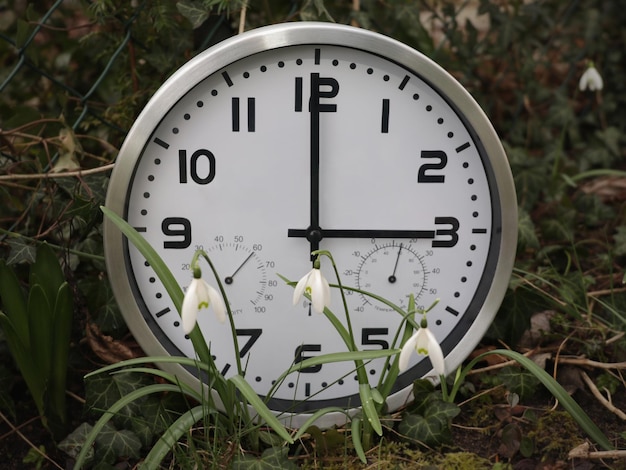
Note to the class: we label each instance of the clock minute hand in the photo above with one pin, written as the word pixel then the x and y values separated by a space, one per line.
pixel 331 88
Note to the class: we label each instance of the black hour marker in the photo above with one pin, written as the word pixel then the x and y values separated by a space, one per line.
pixel 298 106
pixel 162 312
pixel 307 389
pixel 141 229
pixel 161 143
pixel 460 148
pixel 384 125
pixel 227 79
pixel 318 53
pixel 225 369
pixel 452 311
pixel 236 118
pixel 479 230
pixel 405 80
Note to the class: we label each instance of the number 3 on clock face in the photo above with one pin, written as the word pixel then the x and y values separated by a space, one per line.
pixel 299 137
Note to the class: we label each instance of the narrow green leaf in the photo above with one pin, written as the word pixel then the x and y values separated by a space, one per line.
pixel 559 393
pixel 165 276
pixel 14 303
pixel 356 439
pixel 369 408
pixel 46 271
pixel 61 336
pixel 261 408
pixel 113 410
pixel 172 435
pixel 40 324
pixel 311 420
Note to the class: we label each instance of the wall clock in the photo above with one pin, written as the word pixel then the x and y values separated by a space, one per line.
pixel 301 136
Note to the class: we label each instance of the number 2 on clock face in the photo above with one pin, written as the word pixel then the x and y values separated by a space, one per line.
pixel 292 149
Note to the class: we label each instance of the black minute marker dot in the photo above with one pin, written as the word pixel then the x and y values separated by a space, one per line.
pixel 335 62
pixel 263 68
pixel 158 295
pixel 438 322
pixel 469 264
pixel 474 197
pixel 175 130
pixel 299 62
pixel 440 121
pixel 470 181
pixel 429 108
pixel 150 177
pixel 465 165
pixel 474 214
pixel 456 294
pixel 281 64
pixel 416 97
pixel 370 71
pixel 352 65
pixel 246 75
pixel 199 104
pixel 187 117
pixel 472 247
pixel 157 161
pixel 386 78
pixel 463 279
pixel 213 92
pixel 450 135
pixel 176 324
pixel 144 212
pixel 146 195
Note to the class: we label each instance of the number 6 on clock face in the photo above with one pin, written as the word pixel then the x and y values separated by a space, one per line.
pixel 308 136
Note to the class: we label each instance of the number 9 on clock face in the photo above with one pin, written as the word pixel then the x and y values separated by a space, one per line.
pixel 299 137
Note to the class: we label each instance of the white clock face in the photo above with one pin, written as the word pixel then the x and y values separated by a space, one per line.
pixel 262 155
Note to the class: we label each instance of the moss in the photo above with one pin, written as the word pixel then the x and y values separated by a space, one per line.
pixel 558 444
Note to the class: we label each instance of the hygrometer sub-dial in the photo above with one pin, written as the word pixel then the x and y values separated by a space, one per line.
pixel 243 273
pixel 393 270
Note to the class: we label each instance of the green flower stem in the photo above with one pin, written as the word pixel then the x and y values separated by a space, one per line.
pixel 365 389
pixel 231 321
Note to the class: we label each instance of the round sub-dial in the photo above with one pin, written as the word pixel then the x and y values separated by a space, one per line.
pixel 242 272
pixel 394 271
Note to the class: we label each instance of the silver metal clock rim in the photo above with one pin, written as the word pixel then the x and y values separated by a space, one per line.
pixel 290 34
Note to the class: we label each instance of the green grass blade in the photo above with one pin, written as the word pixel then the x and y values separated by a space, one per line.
pixel 560 394
pixel 355 429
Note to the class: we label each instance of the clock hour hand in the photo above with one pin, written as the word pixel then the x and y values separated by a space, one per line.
pixel 349 233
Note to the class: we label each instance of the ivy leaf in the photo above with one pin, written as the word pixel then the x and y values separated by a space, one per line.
pixel 432 428
pixel 112 444
pixel 519 381
pixel 193 11
pixel 21 251
pixel 102 391
pixel 274 458
pixel 74 442
pixel 526 232
pixel 620 241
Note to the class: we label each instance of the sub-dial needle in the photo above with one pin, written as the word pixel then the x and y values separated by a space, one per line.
pixel 393 278
pixel 229 279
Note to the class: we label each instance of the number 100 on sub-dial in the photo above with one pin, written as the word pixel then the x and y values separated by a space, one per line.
pixel 393 270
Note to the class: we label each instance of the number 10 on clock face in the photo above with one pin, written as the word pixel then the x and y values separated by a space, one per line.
pixel 305 147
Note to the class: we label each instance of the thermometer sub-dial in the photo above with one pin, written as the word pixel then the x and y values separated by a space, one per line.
pixel 243 274
pixel 392 270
